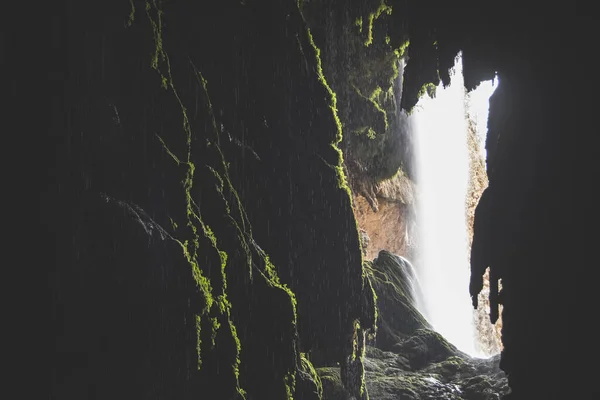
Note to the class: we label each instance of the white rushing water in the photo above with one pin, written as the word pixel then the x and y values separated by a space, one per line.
pixel 442 167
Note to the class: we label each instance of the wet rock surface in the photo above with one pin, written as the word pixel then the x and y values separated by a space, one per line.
pixel 407 359
pixel 394 282
pixel 389 375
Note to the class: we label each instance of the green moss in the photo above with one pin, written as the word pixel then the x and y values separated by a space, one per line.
pixel 290 385
pixel 401 51
pixel 202 282
pixel 160 62
pixel 342 181
pixel 215 328
pixel 321 77
pixel 243 226
pixel 399 174
pixel 237 362
pixel 169 152
pixel 375 99
pixel 307 366
pixel 428 88
pixel 131 14
pixel 333 388
pixel 383 8
pixel 359 23
pixel 198 342
pixel 244 231
pixel 159 54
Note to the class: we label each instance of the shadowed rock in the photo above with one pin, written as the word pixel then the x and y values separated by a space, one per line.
pixel 395 283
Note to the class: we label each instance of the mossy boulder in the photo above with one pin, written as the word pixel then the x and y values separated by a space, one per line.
pixel 451 368
pixel 385 362
pixel 308 382
pixel 479 388
pixel 333 389
pixel 425 347
pixel 392 376
pixel 393 280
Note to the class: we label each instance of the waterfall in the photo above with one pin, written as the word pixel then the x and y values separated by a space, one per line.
pixel 441 159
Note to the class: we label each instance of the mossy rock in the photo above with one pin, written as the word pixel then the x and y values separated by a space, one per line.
pixel 426 347
pixel 479 388
pixel 451 368
pixel 364 72
pixel 332 384
pixel 457 377
pixel 308 382
pixel 393 279
pixel 385 362
pixel 411 387
pixel 376 353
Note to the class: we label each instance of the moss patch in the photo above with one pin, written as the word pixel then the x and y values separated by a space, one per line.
pixel 342 181
pixel 383 8
pixel 194 234
pixel 332 384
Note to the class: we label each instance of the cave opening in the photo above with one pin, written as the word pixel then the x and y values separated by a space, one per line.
pixel 449 126
pixel 220 172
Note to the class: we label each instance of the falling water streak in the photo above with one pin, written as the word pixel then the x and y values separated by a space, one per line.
pixel 442 161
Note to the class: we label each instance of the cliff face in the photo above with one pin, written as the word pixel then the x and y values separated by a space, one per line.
pixel 205 221
pixel 390 225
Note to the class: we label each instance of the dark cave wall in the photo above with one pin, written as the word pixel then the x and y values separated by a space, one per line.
pixel 363 51
pixel 521 227
pixel 226 148
pixel 521 220
pixel 546 301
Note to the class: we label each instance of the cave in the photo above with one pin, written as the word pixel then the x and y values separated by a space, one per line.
pixel 200 210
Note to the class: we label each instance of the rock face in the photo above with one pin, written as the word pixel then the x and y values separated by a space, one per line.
pixel 201 223
pixel 407 359
pixel 395 285
pixel 422 366
pixel 206 244
pixel 451 378
pixel 127 302
pixel 386 217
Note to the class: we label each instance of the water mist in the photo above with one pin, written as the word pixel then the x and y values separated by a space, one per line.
pixel 442 166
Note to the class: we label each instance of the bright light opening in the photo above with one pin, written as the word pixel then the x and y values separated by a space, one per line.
pixel 442 167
